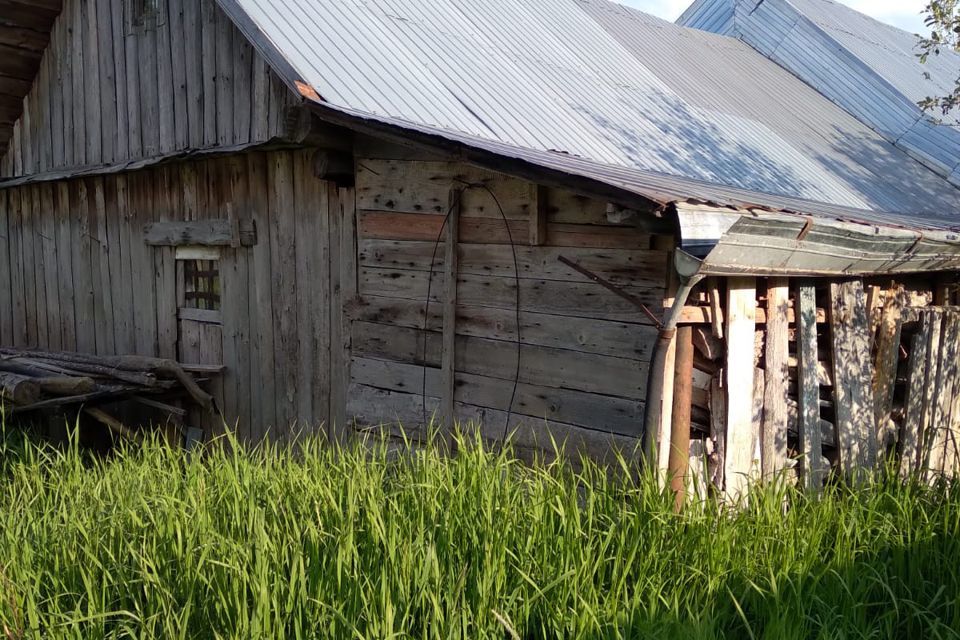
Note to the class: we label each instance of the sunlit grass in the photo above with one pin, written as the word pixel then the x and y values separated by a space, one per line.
pixel 318 543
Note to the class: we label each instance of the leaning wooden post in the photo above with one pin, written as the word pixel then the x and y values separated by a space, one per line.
pixel 777 380
pixel 451 269
pixel 682 402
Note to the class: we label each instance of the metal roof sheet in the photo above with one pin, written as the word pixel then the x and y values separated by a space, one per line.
pixel 869 68
pixel 588 85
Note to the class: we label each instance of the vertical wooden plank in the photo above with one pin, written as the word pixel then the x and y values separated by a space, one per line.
pixel 139 193
pixel 6 271
pixel 166 207
pixel 51 274
pixel 885 365
pixel 224 79
pixel 777 379
pixel 811 448
pixel 284 277
pixel 68 275
pixel 121 150
pixel 263 381
pixel 853 378
pixel 54 57
pixel 18 147
pixel 194 65
pixel 100 267
pixel 44 112
pixel 911 435
pixel 167 89
pixel 929 425
pixel 39 267
pixel 236 290
pixel 718 430
pixel 21 317
pixel 27 131
pixel 538 215
pixel 682 404
pixel 952 446
pixel 91 84
pixel 344 289
pixel 120 215
pixel 312 258
pixel 103 50
pixel 78 77
pixel 135 96
pixel 241 76
pixel 150 116
pixel 208 15
pixel 260 116
pixel 451 273
pixel 175 35
pixel 83 275
pixel 740 328
pixel 28 265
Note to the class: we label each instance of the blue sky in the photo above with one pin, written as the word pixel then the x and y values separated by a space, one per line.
pixel 902 13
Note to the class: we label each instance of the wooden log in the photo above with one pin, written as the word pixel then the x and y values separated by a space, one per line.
pixel 853 378
pixel 885 364
pixel 18 389
pixel 811 449
pixel 113 424
pixel 740 328
pixel 679 458
pixel 777 380
pixel 66 386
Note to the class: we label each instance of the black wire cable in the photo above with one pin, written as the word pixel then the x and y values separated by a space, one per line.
pixel 516 273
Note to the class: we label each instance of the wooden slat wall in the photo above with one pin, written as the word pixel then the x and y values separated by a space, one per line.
pixel 585 351
pixel 107 92
pixel 76 273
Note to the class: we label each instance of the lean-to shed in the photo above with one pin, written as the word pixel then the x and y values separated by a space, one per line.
pixel 370 213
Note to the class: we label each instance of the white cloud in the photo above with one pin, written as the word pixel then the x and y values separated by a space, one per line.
pixel 905 14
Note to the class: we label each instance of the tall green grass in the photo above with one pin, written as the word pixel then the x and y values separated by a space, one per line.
pixel 316 543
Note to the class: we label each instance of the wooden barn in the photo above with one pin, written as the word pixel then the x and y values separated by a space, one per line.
pixel 542 217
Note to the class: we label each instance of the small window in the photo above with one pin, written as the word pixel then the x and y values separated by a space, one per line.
pixel 201 285
pixel 143 15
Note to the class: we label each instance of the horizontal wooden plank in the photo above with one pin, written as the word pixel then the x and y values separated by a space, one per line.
pixel 620 266
pixel 541 296
pixel 704 315
pixel 542 366
pixel 205 316
pixel 604 413
pixel 393 410
pixel 206 233
pixel 634 341
pixel 424 187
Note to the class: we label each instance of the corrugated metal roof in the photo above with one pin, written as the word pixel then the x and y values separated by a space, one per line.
pixel 597 87
pixel 869 68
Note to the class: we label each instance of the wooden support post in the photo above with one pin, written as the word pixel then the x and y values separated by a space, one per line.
pixel 916 393
pixel 928 424
pixel 451 270
pixel 885 366
pixel 811 448
pixel 853 378
pixel 740 327
pixel 777 380
pixel 538 217
pixel 682 403
pixel 945 389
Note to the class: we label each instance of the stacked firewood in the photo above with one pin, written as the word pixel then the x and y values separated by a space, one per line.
pixel 32 381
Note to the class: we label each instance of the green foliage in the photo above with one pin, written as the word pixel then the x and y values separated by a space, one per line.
pixel 943 20
pixel 360 543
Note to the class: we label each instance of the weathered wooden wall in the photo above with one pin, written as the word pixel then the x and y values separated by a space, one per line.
pixel 77 274
pixel 585 351
pixel 108 91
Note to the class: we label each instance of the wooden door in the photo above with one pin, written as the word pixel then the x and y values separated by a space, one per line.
pixel 200 322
